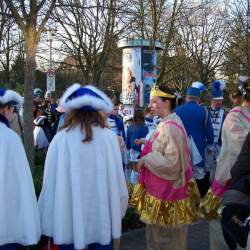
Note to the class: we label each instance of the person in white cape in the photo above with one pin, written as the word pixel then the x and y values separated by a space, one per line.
pixel 84 194
pixel 19 216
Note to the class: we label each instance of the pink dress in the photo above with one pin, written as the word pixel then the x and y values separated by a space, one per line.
pixel 166 193
pixel 234 131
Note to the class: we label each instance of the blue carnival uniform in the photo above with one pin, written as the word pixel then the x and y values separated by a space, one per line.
pixel 197 123
pixel 194 119
pixel 116 125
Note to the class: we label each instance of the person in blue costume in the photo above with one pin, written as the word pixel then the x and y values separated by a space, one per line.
pixel 19 217
pixel 217 115
pixel 136 131
pixel 198 125
pixel 115 122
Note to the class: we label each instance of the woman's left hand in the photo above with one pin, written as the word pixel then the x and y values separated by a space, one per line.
pixel 140 164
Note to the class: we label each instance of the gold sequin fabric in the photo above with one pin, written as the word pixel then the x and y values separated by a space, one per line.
pixel 210 206
pixel 166 213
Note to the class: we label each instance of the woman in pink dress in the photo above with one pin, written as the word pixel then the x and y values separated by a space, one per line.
pixel 166 196
pixel 234 131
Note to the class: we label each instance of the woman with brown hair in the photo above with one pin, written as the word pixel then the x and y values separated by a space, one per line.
pixel 84 194
pixel 136 131
pixel 166 195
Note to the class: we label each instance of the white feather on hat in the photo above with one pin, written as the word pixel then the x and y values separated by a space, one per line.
pixel 10 96
pixel 77 97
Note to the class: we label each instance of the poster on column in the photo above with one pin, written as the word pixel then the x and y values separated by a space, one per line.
pixel 148 71
pixel 131 75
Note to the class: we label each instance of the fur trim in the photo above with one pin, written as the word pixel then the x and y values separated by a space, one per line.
pixel 11 96
pixel 199 85
pixel 103 96
pixel 67 93
pixel 104 104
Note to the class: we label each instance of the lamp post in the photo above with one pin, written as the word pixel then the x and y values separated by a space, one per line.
pixel 50 72
pixel 248 16
pixel 248 36
pixel 50 37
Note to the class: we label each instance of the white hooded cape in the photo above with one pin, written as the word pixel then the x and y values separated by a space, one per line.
pixel 19 217
pixel 84 194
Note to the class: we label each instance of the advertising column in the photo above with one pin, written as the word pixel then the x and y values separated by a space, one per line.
pixel 139 70
pixel 131 75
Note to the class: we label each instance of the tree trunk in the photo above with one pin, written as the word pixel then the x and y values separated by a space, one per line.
pixel 29 80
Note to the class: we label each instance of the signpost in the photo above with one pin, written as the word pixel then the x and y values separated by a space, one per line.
pixel 51 72
pixel 51 80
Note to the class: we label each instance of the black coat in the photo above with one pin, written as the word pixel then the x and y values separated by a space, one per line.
pixel 241 167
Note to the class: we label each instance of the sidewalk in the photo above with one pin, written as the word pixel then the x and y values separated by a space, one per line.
pixel 198 238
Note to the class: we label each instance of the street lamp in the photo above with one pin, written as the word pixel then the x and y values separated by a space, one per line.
pixel 248 16
pixel 50 37
pixel 248 36
pixel 50 72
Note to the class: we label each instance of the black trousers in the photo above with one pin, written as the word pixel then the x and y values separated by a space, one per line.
pixel 232 223
pixel 203 184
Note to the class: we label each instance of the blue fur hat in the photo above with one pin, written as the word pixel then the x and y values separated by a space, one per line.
pixel 192 91
pixel 217 89
pixel 199 85
pixel 87 98
pixel 10 97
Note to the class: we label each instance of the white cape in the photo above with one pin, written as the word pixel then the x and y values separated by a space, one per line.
pixel 84 194
pixel 19 217
pixel 40 138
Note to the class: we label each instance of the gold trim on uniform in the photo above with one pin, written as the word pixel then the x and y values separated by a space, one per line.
pixel 210 206
pixel 166 213
pixel 155 91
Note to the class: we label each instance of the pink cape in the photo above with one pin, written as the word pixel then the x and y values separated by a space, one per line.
pixel 158 187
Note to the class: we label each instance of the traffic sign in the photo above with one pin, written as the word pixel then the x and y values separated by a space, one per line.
pixel 51 80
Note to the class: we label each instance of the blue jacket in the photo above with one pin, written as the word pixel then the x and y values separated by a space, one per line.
pixel 135 132
pixel 197 123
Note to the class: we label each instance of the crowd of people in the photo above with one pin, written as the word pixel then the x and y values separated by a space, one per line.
pixel 181 161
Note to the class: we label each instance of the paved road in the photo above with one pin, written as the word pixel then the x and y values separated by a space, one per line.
pixel 198 238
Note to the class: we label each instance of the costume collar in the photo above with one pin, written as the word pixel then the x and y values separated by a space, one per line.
pixel 4 120
pixel 167 117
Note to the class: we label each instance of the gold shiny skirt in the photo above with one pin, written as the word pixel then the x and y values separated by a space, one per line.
pixel 153 210
pixel 210 206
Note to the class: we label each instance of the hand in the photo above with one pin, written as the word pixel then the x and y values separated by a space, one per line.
pixel 140 164
pixel 138 141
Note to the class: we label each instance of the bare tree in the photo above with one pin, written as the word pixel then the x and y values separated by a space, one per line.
pixel 204 31
pixel 155 20
pixel 238 49
pixel 31 17
pixel 9 44
pixel 89 30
